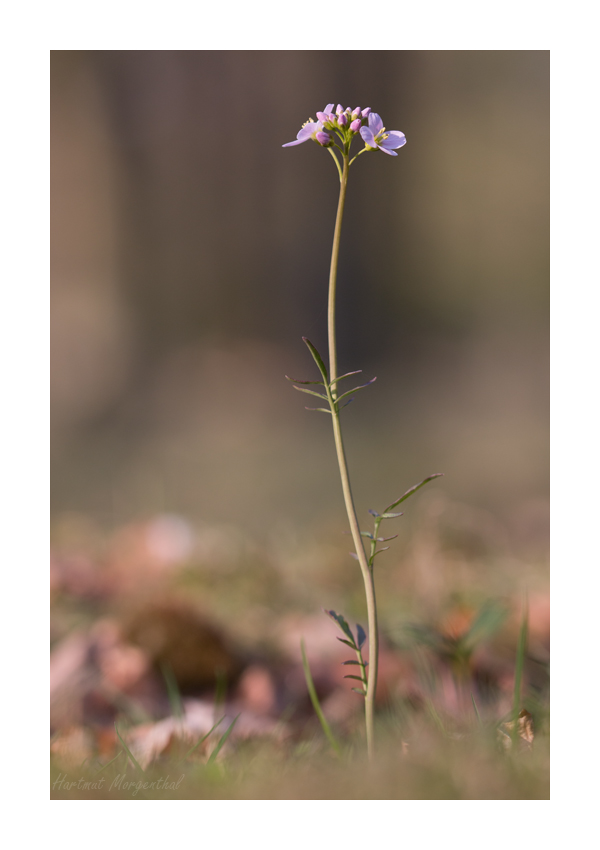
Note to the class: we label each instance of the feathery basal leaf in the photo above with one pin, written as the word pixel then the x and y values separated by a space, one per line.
pixel 341 622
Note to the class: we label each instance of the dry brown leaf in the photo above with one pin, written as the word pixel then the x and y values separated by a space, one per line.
pixel 524 731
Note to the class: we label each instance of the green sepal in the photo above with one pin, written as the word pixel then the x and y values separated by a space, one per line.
pixel 317 358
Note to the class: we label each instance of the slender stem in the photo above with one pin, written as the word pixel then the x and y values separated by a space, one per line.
pixel 366 569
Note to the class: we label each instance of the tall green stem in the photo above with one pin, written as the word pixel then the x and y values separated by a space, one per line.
pixel 367 571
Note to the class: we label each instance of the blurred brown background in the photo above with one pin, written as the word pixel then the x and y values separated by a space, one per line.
pixel 190 254
pixel 197 511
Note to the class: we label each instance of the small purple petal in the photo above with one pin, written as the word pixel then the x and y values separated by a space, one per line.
pixel 328 108
pixel 385 150
pixel 356 125
pixel 305 133
pixel 366 112
pixel 368 137
pixel 394 140
pixel 375 123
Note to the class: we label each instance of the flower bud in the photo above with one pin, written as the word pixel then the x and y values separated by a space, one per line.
pixel 343 119
pixel 322 117
pixel 339 109
pixel 366 112
pixel 356 125
pixel 356 112
pixel 323 139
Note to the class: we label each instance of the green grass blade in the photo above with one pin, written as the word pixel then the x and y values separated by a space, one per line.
pixel 220 691
pixel 315 702
pixel 519 664
pixel 172 690
pixel 486 623
pixel 108 763
pixel 222 740
pixel 476 710
pixel 128 751
pixel 202 739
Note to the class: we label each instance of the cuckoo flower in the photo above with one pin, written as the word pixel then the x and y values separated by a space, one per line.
pixel 310 130
pixel 336 130
pixel 376 136
pixel 313 130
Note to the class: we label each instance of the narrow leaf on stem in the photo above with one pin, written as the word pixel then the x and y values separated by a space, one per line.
pixel 355 390
pixel 311 392
pixel 317 358
pixel 296 381
pixel 341 378
pixel 412 490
